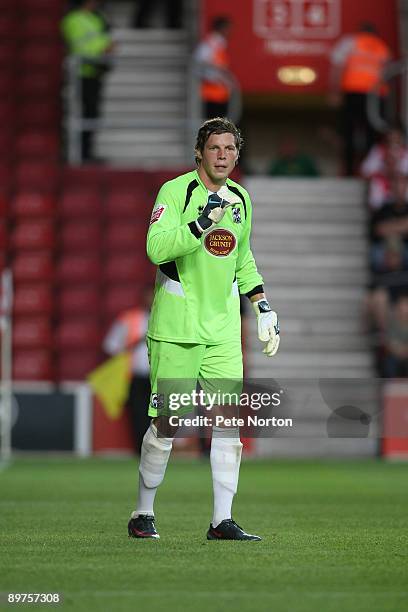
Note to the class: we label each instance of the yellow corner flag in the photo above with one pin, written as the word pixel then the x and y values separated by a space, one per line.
pixel 110 382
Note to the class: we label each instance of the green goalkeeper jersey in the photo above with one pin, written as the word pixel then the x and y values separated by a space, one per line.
pixel 198 282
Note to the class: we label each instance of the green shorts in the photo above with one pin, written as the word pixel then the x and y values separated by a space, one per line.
pixel 214 367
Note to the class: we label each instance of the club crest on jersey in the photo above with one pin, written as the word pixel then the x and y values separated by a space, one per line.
pixel 157 213
pixel 220 242
pixel 236 215
pixel 157 400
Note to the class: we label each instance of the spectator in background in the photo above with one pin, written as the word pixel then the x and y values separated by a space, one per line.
pixel 291 161
pixel 212 60
pixel 128 333
pixel 396 343
pixel 358 61
pixel 172 10
pixel 387 286
pixel 390 222
pixel 86 34
pixel 385 161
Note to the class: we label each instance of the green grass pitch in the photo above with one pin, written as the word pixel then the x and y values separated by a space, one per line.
pixel 335 537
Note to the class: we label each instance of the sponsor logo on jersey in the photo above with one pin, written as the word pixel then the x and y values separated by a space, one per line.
pixel 157 213
pixel 220 242
pixel 236 215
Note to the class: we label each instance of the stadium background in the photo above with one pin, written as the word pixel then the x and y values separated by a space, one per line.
pixel 73 235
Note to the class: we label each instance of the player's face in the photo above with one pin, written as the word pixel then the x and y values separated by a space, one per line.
pixel 218 159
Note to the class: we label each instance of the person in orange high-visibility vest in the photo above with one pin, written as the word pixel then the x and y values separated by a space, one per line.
pixel 358 61
pixel 128 333
pixel 212 60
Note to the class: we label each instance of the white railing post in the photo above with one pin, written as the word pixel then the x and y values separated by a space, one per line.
pixel 6 364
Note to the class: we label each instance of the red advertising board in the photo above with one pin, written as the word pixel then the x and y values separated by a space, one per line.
pixel 269 36
pixel 395 420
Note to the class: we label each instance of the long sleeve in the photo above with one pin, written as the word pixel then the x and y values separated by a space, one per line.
pixel 168 237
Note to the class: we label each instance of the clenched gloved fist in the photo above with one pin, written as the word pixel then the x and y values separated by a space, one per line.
pixel 268 326
pixel 215 209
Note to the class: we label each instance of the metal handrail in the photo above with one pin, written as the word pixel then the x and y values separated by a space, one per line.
pixel 76 123
pixel 383 121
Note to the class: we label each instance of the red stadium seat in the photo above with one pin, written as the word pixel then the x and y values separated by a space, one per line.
pixel 8 25
pixel 76 365
pixel 7 112
pixel 81 235
pixel 121 297
pixel 37 144
pixel 3 235
pixel 3 205
pixel 32 332
pixel 77 269
pixel 40 55
pixel 33 299
pixel 8 52
pixel 6 143
pixel 38 114
pixel 7 5
pixel 33 204
pixel 79 301
pixel 126 269
pixel 33 267
pixel 122 236
pixel 77 334
pixel 129 180
pixel 80 203
pixel 32 365
pixel 38 234
pixel 92 177
pixel 40 175
pixel 40 26
pixel 55 7
pixel 7 82
pixel 6 176
pixel 131 204
pixel 39 83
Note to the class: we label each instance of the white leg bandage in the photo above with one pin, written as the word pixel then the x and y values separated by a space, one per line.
pixel 153 462
pixel 225 457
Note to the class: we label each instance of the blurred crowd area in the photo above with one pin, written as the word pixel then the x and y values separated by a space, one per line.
pixel 73 237
pixel 385 170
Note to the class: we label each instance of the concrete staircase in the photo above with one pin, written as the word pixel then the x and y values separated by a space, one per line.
pixel 308 237
pixel 309 241
pixel 145 102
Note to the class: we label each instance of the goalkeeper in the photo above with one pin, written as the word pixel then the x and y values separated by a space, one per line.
pixel 199 239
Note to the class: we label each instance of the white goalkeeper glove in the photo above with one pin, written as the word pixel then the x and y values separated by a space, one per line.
pixel 268 326
pixel 215 208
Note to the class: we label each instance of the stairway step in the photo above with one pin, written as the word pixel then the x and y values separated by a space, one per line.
pixel 141 50
pixel 121 77
pixel 150 90
pixel 286 275
pixel 345 326
pixel 142 107
pixel 308 261
pixel 312 294
pixel 150 36
pixel 317 343
pixel 317 359
pixel 278 212
pixel 300 246
pixel 306 229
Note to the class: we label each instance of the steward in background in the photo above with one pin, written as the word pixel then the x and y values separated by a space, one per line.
pixel 86 34
pixel 358 61
pixel 213 63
